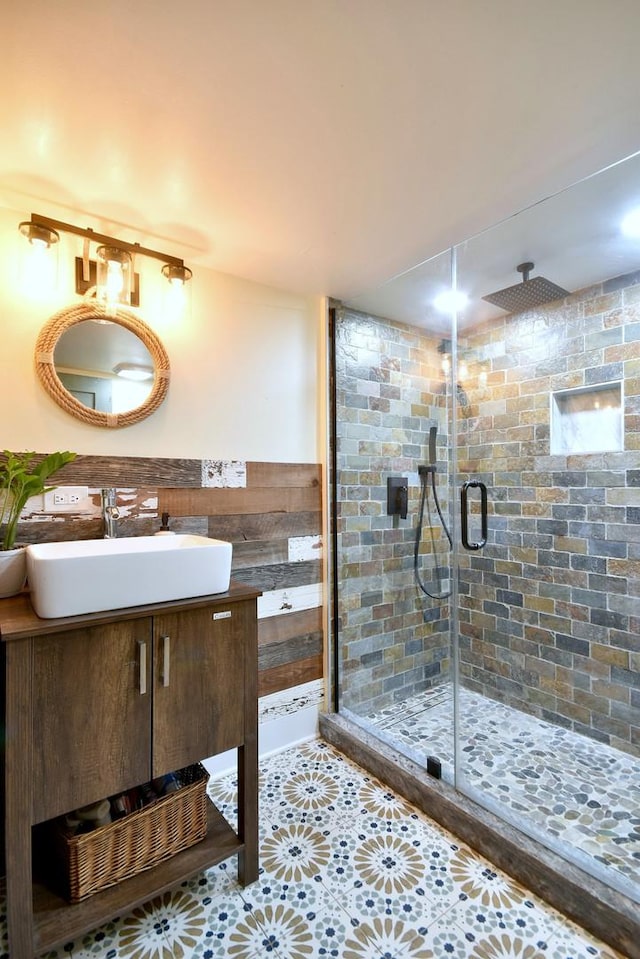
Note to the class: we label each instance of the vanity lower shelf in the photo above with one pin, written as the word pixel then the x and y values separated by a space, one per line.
pixel 56 922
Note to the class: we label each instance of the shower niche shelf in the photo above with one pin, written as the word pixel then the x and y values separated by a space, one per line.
pixel 587 420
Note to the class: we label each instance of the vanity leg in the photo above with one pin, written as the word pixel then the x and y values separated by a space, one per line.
pixel 18 799
pixel 248 812
pixel 248 763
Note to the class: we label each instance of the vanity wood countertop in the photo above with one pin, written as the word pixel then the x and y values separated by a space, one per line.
pixel 18 619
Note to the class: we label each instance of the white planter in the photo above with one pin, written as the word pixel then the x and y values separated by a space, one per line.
pixel 13 571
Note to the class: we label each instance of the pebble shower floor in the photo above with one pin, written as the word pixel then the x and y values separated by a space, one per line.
pixel 583 792
pixel 348 870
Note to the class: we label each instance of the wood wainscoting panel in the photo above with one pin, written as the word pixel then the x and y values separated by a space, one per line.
pixel 213 501
pixel 275 629
pixel 280 575
pixel 290 674
pixel 284 474
pixel 289 646
pixel 246 528
pixel 130 471
pixel 289 651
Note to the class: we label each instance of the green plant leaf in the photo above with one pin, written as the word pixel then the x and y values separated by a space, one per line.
pixel 19 481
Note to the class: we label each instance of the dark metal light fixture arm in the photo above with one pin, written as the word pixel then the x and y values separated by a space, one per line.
pixel 62 227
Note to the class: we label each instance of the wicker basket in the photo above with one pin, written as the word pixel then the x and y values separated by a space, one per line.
pixel 95 860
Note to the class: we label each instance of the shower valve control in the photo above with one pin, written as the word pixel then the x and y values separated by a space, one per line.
pixel 397 496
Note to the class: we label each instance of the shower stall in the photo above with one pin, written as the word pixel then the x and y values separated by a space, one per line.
pixel 485 541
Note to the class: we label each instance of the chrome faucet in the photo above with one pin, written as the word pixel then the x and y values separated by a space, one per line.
pixel 110 513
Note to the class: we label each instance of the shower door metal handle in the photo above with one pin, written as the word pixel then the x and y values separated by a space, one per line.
pixel 464 514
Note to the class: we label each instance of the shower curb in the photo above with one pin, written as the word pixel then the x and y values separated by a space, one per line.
pixel 605 913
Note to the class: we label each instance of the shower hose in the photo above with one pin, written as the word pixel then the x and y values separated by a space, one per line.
pixel 425 472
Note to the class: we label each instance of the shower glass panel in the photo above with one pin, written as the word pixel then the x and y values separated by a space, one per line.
pixel 548 646
pixel 393 430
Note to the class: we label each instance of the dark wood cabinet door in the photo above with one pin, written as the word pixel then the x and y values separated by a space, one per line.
pixel 91 715
pixel 199 683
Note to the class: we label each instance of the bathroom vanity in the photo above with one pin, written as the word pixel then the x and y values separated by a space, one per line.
pixel 96 704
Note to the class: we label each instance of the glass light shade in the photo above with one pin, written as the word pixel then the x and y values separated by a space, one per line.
pixel 114 277
pixel 176 295
pixel 176 275
pixel 39 261
pixel 41 237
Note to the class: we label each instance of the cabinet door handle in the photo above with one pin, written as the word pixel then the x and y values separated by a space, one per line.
pixel 166 659
pixel 142 660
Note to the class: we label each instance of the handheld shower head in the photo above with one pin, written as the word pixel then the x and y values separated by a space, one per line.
pixel 433 435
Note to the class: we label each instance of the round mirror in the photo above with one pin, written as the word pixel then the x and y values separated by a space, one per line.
pixel 105 371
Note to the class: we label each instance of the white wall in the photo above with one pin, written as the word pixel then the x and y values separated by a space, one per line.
pixel 247 367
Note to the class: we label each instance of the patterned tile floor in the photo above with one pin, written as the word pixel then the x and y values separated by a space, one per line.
pixel 584 793
pixel 348 871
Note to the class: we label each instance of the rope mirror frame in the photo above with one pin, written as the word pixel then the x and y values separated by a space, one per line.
pixel 64 320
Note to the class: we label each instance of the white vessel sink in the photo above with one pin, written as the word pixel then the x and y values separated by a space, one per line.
pixel 67 579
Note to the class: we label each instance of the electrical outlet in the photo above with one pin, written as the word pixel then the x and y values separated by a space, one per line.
pixel 67 499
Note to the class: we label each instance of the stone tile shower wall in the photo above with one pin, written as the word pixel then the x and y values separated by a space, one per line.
pixel 389 390
pixel 550 610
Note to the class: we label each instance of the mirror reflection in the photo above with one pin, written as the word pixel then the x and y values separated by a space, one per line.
pixel 104 366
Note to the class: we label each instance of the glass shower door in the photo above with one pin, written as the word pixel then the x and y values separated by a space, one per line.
pixel 548 653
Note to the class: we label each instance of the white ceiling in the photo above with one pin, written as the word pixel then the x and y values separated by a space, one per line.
pixel 320 146
pixel 574 239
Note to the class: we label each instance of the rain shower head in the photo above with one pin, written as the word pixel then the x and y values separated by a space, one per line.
pixel 528 294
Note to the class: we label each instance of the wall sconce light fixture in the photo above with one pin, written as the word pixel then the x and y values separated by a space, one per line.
pixel 39 235
pixel 114 276
pixel 112 273
pixel 175 295
pixel 39 263
pixel 176 275
pixel 444 349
